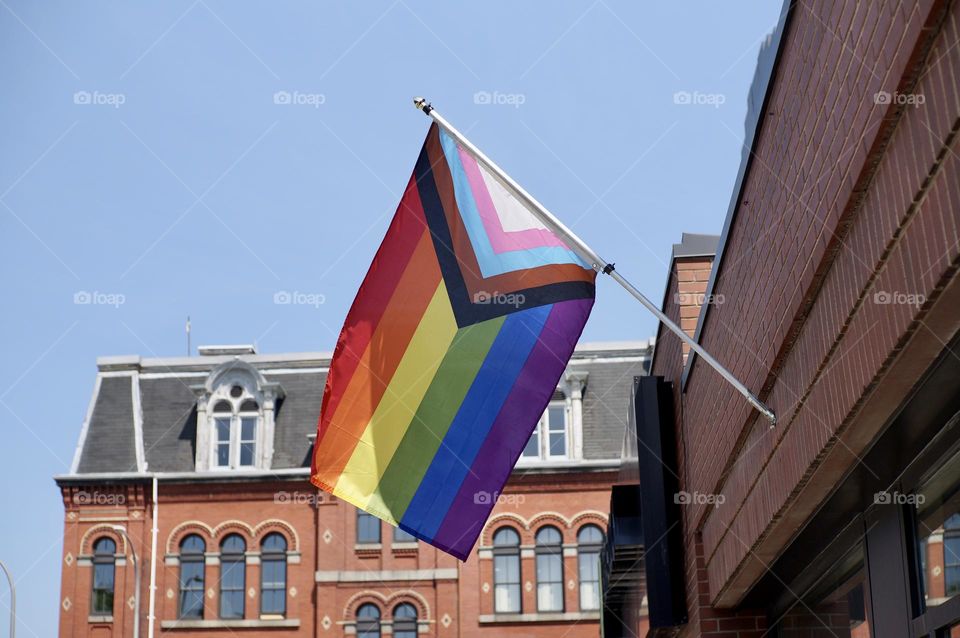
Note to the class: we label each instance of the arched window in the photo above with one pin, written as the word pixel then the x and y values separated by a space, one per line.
pixel 951 555
pixel 589 542
pixel 368 621
pixel 368 528
pixel 104 557
pixel 233 566
pixel 549 551
pixel 273 575
pixel 404 621
pixel 506 571
pixel 191 576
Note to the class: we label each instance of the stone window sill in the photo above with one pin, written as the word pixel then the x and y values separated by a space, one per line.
pixel 567 616
pixel 100 619
pixel 229 624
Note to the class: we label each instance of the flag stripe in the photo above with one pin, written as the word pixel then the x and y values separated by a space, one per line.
pixel 379 361
pixel 502 446
pixel 474 419
pixel 425 435
pixel 399 403
pixel 405 232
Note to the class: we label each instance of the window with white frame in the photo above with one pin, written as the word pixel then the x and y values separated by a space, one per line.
pixel 551 438
pixel 235 419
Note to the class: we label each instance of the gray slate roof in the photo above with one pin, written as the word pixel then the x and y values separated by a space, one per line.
pixel 153 399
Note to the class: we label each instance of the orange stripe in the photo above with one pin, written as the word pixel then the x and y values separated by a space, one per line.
pixel 378 363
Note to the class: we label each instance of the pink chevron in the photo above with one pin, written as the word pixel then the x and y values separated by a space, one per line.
pixel 500 240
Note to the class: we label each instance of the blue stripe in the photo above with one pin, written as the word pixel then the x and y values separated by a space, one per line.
pixel 470 426
pixel 492 263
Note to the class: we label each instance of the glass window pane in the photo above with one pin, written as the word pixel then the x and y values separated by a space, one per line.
pixel 368 528
pixel 532 449
pixel 223 455
pixel 588 563
pixel 191 588
pixel 223 429
pixel 556 416
pixel 558 444
pixel 232 576
pixel 403 536
pixel 248 428
pixel 246 454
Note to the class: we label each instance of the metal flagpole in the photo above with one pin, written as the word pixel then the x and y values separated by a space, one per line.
pixel 588 255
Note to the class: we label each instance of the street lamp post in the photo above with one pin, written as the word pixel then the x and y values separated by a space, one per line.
pixel 120 529
pixel 13 600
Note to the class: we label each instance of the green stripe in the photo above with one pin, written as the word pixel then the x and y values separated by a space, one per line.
pixel 435 414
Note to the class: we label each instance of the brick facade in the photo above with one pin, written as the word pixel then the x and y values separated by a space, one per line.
pixel 329 574
pixel 838 286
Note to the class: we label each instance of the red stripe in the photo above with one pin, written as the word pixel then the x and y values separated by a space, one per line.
pixel 373 300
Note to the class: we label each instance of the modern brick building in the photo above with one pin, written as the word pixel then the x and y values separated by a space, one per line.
pixel 834 295
pixel 202 462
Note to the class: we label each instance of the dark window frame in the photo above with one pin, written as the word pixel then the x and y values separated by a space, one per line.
pixel 404 623
pixel 591 549
pixel 275 557
pixel 374 523
pixel 368 621
pixel 191 558
pixel 503 552
pixel 104 562
pixel 233 559
pixel 549 554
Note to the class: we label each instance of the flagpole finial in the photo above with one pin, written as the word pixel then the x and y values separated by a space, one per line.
pixel 422 104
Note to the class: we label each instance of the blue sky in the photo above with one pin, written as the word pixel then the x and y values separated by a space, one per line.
pixel 154 166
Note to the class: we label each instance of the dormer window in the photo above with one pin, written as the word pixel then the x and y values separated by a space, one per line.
pixel 235 418
pixel 236 423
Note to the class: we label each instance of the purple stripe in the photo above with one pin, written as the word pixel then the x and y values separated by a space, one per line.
pixel 509 434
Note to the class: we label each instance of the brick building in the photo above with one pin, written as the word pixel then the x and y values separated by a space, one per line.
pixel 202 464
pixel 833 294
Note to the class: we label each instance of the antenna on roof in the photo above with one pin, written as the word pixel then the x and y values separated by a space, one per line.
pixel 188 335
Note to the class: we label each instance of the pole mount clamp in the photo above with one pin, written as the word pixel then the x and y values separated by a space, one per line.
pixel 609 268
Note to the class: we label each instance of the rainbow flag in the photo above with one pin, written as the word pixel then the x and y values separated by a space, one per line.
pixel 450 353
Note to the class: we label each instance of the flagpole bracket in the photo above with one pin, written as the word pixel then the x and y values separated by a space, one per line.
pixel 609 268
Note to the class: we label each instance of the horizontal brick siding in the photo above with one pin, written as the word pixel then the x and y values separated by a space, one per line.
pixel 845 198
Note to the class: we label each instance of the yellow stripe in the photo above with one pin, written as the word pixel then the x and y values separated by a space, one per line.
pixel 424 354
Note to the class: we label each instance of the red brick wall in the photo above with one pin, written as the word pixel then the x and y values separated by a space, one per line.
pixel 322 529
pixel 850 201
